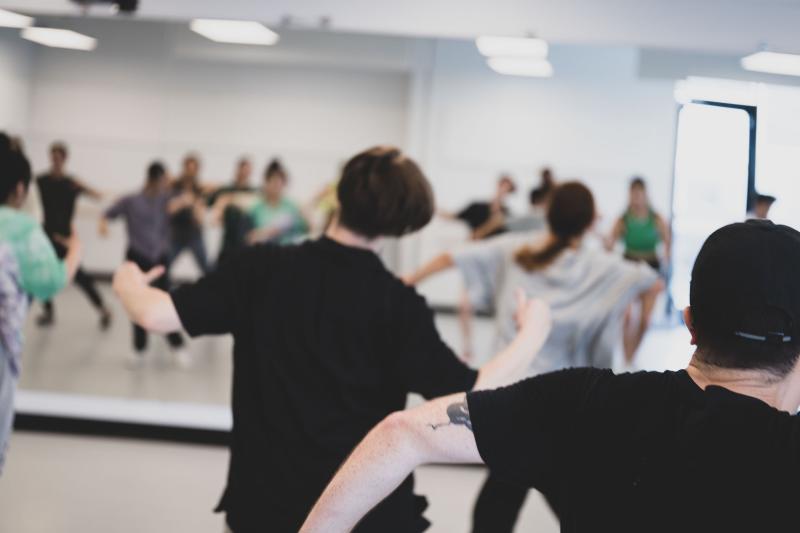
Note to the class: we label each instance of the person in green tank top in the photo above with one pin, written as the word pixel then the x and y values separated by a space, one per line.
pixel 641 229
pixel 275 217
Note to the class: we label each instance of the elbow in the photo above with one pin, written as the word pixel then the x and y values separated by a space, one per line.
pixel 400 432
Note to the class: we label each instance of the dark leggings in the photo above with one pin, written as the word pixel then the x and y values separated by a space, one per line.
pixel 82 280
pixel 139 334
pixel 498 506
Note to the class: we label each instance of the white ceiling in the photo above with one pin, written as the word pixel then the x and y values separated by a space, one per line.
pixel 699 25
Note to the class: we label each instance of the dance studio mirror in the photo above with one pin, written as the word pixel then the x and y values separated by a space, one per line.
pixel 157 91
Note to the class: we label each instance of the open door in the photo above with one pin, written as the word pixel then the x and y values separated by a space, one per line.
pixel 714 172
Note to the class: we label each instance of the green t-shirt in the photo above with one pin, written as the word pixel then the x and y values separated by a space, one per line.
pixel 284 215
pixel 42 273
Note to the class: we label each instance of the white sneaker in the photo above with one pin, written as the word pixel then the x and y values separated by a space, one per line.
pixel 182 357
pixel 134 360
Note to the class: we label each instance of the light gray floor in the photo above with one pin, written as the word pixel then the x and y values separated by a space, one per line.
pixel 57 483
pixel 73 356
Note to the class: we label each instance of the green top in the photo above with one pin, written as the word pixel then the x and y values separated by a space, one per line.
pixel 641 234
pixel 285 215
pixel 42 274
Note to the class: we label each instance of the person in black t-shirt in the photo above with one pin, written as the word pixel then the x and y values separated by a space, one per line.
pixel 186 214
pixel 327 342
pixel 230 205
pixel 714 447
pixel 59 192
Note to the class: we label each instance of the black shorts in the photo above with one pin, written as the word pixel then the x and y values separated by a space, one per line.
pixel 652 261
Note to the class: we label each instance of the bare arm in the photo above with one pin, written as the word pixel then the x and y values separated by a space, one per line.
pixel 91 192
pixel 509 365
pixel 146 306
pixel 434 266
pixel 495 222
pixel 179 202
pixel 439 431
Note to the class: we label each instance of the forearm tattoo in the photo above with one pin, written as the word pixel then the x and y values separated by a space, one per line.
pixel 458 413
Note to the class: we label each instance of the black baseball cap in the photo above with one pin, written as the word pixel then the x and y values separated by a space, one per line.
pixel 746 283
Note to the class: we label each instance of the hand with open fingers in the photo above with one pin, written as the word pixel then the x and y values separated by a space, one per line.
pixel 130 276
pixel 532 314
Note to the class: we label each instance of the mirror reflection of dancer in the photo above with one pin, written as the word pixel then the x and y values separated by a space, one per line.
pixel 275 217
pixel 230 205
pixel 147 225
pixel 327 342
pixel 712 447
pixel 485 219
pixel 187 213
pixel 29 267
pixel 59 192
pixel 588 290
pixel 761 206
pixel 536 217
pixel 642 229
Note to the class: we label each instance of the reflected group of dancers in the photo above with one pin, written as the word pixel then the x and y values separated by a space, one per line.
pixel 328 343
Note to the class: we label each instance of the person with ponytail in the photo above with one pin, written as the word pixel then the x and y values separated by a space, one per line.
pixel 587 288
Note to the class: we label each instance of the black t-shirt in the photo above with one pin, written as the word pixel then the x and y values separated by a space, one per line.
pixel 327 342
pixel 184 224
pixel 58 196
pixel 236 223
pixel 477 214
pixel 643 452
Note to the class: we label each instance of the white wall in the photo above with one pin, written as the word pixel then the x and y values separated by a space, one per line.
pixel 143 94
pixel 595 120
pixel 15 78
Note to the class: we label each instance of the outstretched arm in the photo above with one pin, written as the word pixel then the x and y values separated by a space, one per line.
pixel 146 306
pixel 439 431
pixel 434 266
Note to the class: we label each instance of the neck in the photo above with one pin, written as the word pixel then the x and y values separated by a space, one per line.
pixel 781 393
pixel 344 236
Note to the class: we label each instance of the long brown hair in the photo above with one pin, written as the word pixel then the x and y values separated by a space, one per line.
pixel 569 215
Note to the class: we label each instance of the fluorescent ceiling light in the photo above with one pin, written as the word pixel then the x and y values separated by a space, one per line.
pixel 58 38
pixel 773 63
pixel 234 31
pixel 517 66
pixel 9 19
pixel 511 46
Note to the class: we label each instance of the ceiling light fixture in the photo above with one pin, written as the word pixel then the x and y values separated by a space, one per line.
pixel 58 38
pixel 773 63
pixel 518 66
pixel 491 46
pixel 234 31
pixel 9 19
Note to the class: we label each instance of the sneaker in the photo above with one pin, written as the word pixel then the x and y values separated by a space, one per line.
pixel 105 320
pixel 134 360
pixel 182 357
pixel 44 320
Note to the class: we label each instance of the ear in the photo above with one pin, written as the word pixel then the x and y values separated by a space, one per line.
pixel 687 319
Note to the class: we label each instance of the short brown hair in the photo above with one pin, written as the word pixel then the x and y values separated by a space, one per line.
pixel 59 147
pixel 383 192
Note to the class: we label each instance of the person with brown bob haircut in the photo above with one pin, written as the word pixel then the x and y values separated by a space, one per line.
pixel 327 342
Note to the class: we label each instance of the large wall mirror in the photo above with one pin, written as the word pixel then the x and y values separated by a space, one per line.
pixel 152 89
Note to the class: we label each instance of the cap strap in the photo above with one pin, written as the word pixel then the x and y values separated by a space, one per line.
pixel 772 337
